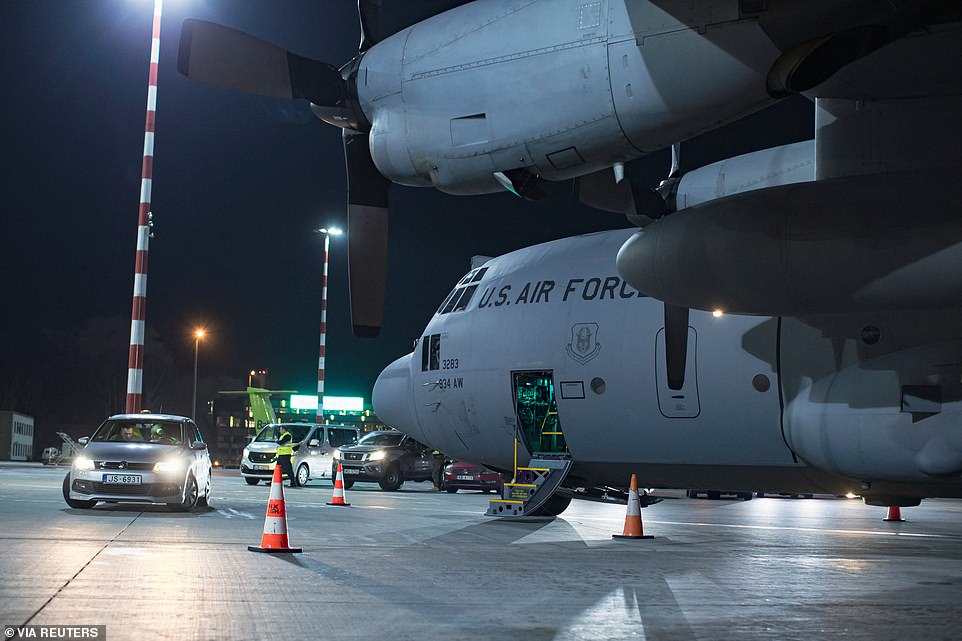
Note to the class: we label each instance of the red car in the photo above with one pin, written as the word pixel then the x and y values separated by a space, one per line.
pixel 460 475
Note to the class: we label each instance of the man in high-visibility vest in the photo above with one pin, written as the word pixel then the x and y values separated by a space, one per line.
pixel 285 450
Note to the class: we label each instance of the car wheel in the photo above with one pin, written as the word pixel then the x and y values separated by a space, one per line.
pixel 451 489
pixel 303 474
pixel 348 484
pixel 204 499
pixel 251 480
pixel 391 480
pixel 191 497
pixel 80 505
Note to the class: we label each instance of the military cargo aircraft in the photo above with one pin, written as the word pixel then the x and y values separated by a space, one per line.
pixel 553 346
pixel 505 94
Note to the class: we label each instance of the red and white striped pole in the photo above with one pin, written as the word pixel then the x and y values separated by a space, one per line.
pixel 319 416
pixel 135 361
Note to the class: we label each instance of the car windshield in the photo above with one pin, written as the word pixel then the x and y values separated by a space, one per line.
pixel 270 433
pixel 381 439
pixel 137 431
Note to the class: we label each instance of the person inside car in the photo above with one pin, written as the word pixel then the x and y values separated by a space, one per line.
pixel 130 433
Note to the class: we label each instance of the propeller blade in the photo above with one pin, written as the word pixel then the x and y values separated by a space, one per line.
pixel 225 57
pixel 369 12
pixel 676 344
pixel 367 228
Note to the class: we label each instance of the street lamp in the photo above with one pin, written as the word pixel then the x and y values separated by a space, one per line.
pixel 198 334
pixel 327 232
pixel 253 373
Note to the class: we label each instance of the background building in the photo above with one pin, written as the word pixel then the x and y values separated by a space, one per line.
pixel 16 436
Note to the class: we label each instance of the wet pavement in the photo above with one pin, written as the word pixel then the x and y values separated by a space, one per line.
pixel 423 565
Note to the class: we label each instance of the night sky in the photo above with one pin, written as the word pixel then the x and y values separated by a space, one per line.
pixel 239 184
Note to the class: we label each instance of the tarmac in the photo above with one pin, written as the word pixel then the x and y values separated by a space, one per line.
pixel 422 565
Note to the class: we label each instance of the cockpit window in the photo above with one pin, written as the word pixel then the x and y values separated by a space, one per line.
pixel 450 296
pixel 431 352
pixel 452 300
pixel 459 298
pixel 464 298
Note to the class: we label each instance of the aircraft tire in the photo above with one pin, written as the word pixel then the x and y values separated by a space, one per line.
pixel 553 507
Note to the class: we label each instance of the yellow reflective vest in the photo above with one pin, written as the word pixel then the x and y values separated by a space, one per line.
pixel 284 446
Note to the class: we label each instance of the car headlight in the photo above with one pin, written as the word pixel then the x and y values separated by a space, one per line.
pixel 247 453
pixel 336 454
pixel 83 463
pixel 449 469
pixel 169 466
pixel 377 456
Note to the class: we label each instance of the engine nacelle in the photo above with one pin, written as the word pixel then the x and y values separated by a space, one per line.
pixel 870 242
pixel 556 89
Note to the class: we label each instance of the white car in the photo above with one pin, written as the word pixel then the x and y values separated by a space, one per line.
pixel 314 449
pixel 141 458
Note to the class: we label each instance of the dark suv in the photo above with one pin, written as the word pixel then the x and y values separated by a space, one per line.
pixel 388 457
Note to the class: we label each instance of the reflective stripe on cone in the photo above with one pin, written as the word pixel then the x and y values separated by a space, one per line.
pixel 338 498
pixel 633 528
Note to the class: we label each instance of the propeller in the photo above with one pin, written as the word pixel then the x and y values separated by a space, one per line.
pixel 612 191
pixel 225 57
pixel 367 218
pixel 676 344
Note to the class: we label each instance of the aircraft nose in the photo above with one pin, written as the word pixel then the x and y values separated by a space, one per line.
pixel 393 397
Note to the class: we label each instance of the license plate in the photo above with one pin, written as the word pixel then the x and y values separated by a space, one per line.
pixel 122 479
pixel 350 470
pixel 262 467
pixel 466 477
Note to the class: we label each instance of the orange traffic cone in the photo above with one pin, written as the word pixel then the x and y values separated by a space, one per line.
pixel 894 514
pixel 274 539
pixel 633 528
pixel 338 498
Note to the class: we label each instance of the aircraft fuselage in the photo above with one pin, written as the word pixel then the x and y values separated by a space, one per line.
pixel 833 404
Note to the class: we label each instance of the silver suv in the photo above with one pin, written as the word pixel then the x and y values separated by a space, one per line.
pixel 314 447
pixel 141 458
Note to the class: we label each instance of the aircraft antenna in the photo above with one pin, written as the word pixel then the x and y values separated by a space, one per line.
pixel 135 361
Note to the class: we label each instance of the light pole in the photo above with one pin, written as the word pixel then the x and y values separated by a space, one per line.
pixel 253 373
pixel 135 359
pixel 327 233
pixel 198 334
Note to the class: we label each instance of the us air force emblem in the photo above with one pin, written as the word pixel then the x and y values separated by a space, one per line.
pixel 584 343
